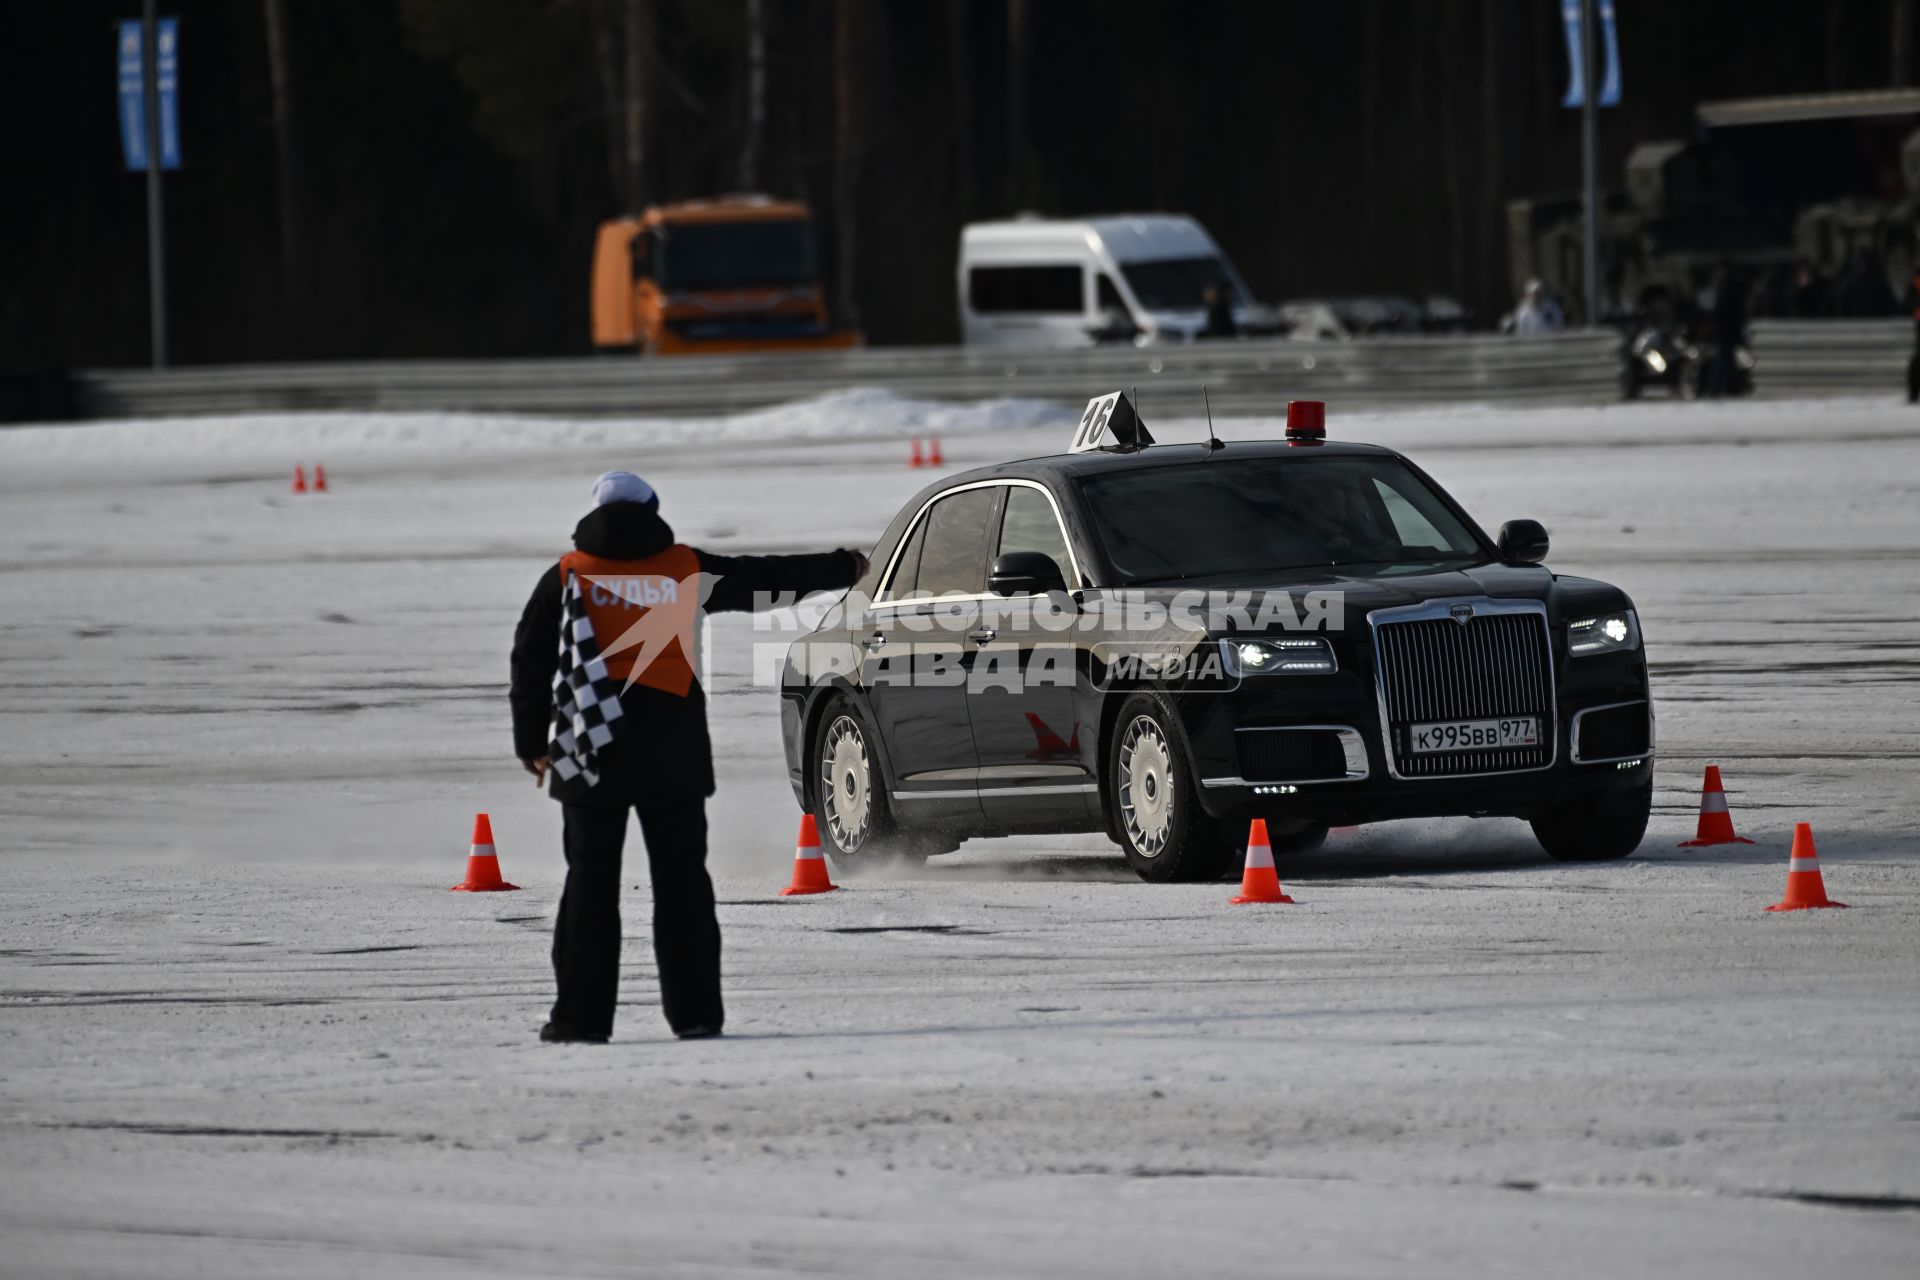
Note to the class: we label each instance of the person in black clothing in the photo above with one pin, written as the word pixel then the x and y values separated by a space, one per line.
pixel 1812 293
pixel 1218 298
pixel 1729 331
pixel 660 765
pixel 1913 361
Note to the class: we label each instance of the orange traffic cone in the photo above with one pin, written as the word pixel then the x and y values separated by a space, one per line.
pixel 299 478
pixel 319 478
pixel 809 865
pixel 933 452
pixel 483 868
pixel 1260 882
pixel 1716 824
pixel 1805 888
pixel 916 458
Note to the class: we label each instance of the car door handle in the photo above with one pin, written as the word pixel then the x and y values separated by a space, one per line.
pixel 876 641
pixel 985 635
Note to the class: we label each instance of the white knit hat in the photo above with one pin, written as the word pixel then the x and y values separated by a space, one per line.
pixel 624 486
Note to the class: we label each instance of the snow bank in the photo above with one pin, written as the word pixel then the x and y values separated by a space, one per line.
pixel 858 413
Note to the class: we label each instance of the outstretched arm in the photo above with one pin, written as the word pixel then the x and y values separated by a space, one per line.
pixel 742 578
pixel 536 655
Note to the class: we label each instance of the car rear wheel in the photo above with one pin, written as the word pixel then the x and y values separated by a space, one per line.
pixel 1166 835
pixel 857 828
pixel 1597 829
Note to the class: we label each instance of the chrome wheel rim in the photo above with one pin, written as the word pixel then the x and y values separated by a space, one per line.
pixel 1146 786
pixel 846 785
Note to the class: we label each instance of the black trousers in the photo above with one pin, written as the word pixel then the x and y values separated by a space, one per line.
pixel 686 935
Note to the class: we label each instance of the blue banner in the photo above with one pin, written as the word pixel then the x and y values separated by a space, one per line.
pixel 1577 64
pixel 133 100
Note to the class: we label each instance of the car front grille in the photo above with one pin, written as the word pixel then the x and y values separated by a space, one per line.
pixel 1495 665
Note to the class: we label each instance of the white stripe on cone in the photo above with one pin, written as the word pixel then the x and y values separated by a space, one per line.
pixel 481 851
pixel 1259 855
pixel 1713 802
pixel 1802 865
pixel 808 853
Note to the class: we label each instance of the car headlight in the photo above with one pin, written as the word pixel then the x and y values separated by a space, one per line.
pixel 1287 655
pixel 1603 633
pixel 1656 361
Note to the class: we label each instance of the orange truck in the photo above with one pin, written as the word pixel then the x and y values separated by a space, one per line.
pixel 735 273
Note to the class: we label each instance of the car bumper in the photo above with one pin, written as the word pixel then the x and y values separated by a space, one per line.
pixel 1367 789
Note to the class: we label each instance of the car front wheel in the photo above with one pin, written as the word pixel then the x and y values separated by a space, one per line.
pixel 1598 828
pixel 1165 834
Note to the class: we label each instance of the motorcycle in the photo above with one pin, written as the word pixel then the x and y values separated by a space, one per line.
pixel 1663 358
pixel 1739 372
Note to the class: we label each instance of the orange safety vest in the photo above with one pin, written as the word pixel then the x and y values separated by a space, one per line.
pixel 664 588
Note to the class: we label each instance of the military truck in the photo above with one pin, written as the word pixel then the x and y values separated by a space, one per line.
pixel 1832 180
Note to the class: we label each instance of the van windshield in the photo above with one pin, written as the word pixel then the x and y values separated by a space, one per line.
pixel 1177 284
pixel 733 255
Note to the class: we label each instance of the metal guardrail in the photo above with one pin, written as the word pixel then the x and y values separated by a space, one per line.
pixel 1799 358
pixel 1250 377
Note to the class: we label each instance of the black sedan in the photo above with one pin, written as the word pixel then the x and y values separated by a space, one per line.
pixel 1163 642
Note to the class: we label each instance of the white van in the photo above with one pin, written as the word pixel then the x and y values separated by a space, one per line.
pixel 1139 278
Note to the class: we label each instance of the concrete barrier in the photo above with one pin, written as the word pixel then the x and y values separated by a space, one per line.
pixel 1801 358
pixel 1241 377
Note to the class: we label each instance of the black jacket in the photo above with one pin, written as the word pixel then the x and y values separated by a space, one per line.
pixel 665 746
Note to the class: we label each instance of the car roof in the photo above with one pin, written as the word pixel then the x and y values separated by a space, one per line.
pixel 1106 461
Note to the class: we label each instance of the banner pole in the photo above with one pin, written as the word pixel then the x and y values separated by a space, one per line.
pixel 1590 155
pixel 156 216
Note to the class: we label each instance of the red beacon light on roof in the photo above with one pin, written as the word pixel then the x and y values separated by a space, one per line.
pixel 1306 421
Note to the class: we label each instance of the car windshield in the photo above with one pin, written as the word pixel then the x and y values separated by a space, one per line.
pixel 733 255
pixel 1177 284
pixel 1268 515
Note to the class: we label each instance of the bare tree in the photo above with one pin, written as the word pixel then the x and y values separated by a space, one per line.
pixel 285 155
pixel 607 63
pixel 756 95
pixel 1493 144
pixel 845 157
pixel 1019 122
pixel 1901 44
pixel 639 31
pixel 960 76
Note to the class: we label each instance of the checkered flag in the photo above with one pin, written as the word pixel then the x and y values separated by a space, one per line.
pixel 586 700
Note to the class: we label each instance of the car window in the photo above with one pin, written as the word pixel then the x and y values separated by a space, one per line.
pixel 1414 529
pixel 954 557
pixel 906 570
pixel 1109 297
pixel 1266 514
pixel 1028 524
pixel 1028 289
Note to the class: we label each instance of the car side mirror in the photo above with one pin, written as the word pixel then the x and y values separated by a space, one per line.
pixel 1523 542
pixel 1025 573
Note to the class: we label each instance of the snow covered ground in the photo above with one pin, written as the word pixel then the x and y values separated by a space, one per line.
pixel 244 1031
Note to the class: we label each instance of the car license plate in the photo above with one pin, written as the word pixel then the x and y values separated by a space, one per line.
pixel 1475 735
